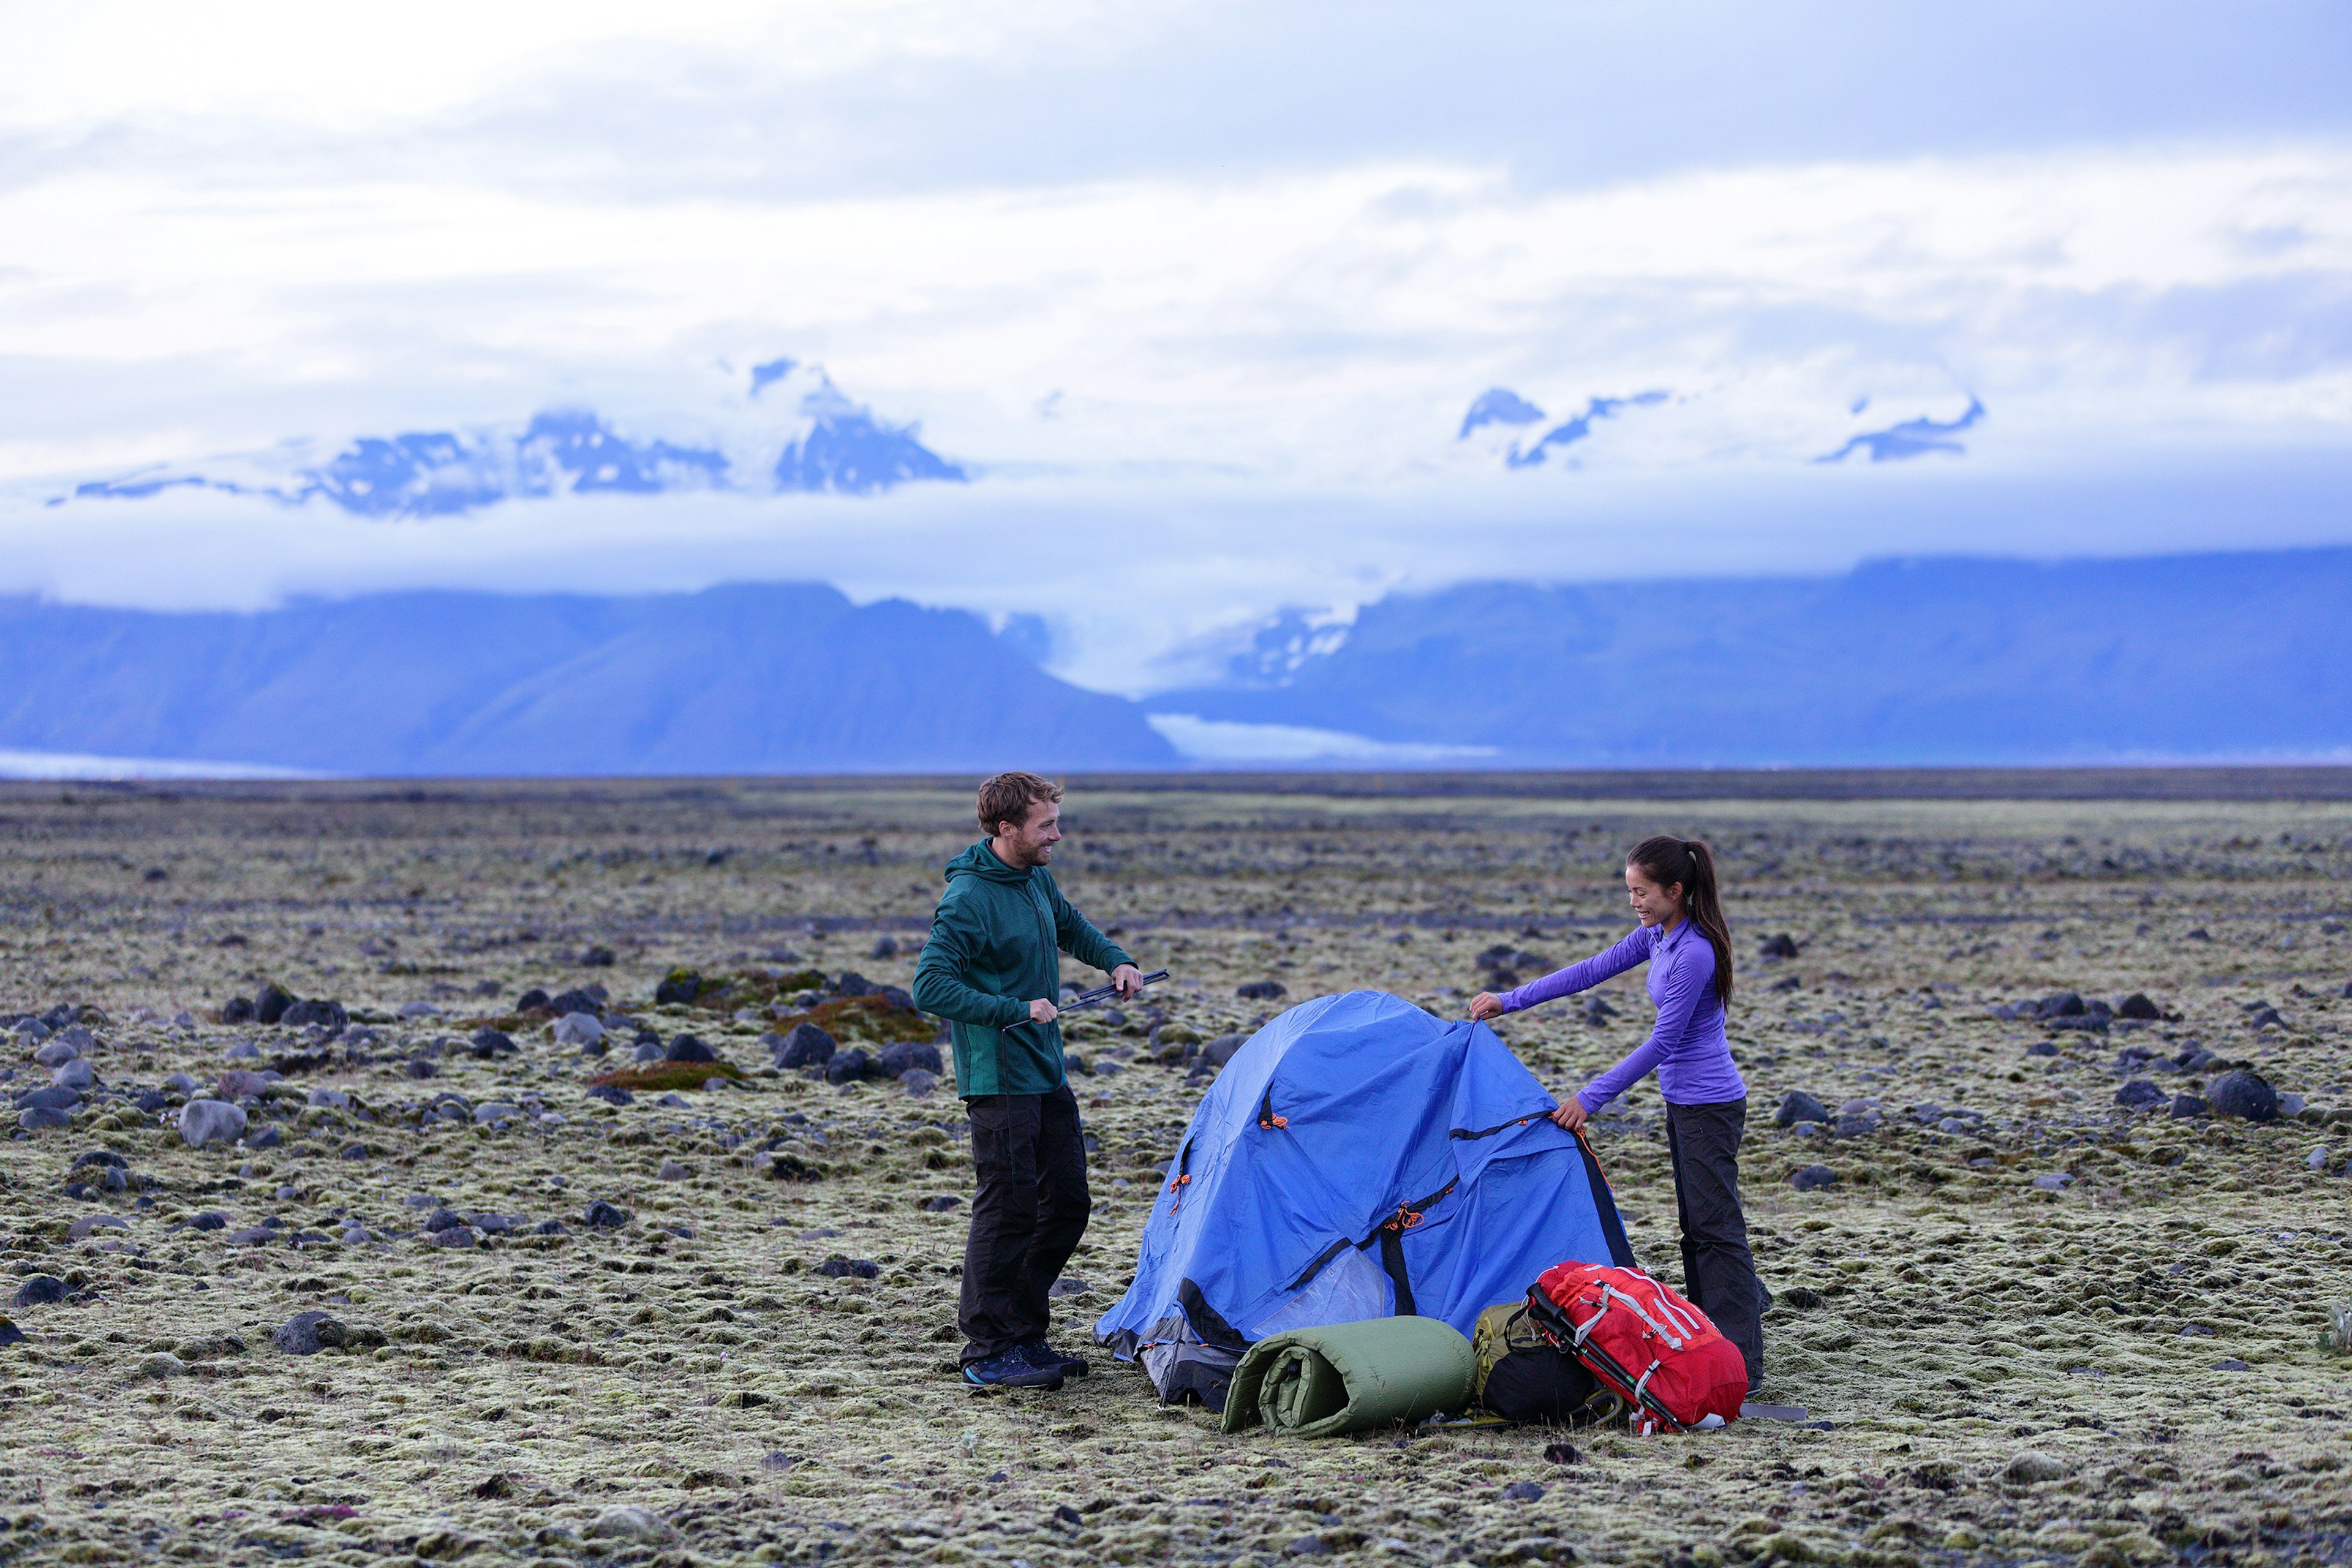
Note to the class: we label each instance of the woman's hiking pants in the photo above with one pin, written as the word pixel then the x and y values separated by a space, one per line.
pixel 1719 1271
pixel 1026 1218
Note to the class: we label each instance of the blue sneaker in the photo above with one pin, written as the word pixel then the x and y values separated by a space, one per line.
pixel 1040 1353
pixel 1012 1369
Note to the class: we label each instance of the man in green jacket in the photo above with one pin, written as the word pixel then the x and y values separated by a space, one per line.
pixel 993 968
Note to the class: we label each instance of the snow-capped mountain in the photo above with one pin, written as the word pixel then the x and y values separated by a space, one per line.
pixel 792 431
pixel 1508 421
pixel 1503 427
pixel 1908 438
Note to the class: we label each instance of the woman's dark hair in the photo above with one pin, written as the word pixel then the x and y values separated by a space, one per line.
pixel 1667 862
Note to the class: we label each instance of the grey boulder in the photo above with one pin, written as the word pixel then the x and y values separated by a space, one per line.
pixel 204 1121
pixel 579 1029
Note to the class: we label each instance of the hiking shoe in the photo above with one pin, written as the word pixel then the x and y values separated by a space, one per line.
pixel 1040 1353
pixel 1012 1369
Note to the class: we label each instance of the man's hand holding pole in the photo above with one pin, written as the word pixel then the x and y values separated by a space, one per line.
pixel 1041 1011
pixel 1128 979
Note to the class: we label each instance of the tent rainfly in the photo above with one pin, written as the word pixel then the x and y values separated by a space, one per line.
pixel 1357 1159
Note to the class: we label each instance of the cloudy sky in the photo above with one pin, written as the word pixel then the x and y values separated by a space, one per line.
pixel 1199 293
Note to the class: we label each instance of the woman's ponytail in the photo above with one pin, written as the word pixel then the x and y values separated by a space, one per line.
pixel 1688 861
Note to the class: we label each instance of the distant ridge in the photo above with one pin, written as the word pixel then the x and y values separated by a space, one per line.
pixel 1937 664
pixel 744 679
pixel 2242 657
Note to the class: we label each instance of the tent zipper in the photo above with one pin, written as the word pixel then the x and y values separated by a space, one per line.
pixel 1469 1137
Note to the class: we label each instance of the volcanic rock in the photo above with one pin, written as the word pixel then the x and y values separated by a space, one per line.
pixel 307 1334
pixel 270 1002
pixel 330 1015
pixel 239 1083
pixel 2243 1093
pixel 906 1055
pixel 39 1290
pixel 1219 1051
pixel 689 1048
pixel 1797 1106
pixel 803 1046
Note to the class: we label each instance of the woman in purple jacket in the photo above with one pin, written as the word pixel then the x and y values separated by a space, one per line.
pixel 1684 939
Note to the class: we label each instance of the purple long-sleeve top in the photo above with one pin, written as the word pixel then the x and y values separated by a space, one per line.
pixel 1687 1046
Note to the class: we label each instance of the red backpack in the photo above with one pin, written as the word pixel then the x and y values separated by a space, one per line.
pixel 1640 1339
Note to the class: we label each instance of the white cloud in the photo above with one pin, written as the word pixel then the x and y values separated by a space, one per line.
pixel 1206 326
pixel 1318 326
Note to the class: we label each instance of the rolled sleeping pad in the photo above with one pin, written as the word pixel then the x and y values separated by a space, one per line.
pixel 1346 1377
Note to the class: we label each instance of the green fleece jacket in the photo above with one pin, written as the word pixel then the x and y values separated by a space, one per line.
pixel 995 947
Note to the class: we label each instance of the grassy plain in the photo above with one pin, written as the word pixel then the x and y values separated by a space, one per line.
pixel 695 1364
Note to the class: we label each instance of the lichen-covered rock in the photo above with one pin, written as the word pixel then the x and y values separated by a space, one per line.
pixel 626 1521
pixel 2031 1467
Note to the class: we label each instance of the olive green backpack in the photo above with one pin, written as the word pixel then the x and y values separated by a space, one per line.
pixel 1522 1379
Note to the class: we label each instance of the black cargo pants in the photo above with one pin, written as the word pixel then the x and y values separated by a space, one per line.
pixel 1719 1271
pixel 1026 1218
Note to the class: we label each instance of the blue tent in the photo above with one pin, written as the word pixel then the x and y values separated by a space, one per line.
pixel 1357 1159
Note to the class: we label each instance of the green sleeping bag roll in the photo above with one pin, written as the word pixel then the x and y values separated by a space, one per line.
pixel 1345 1377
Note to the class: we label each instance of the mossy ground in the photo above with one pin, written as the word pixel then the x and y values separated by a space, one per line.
pixel 697 1364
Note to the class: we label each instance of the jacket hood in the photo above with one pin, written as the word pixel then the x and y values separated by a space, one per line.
pixel 979 860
